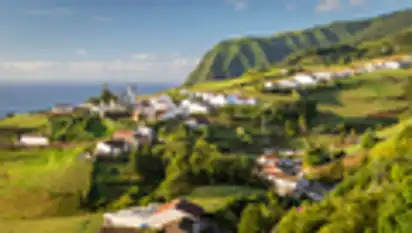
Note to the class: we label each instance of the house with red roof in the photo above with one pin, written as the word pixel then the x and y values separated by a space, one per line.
pixel 177 216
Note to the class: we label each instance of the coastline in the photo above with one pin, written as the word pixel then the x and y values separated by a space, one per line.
pixel 37 97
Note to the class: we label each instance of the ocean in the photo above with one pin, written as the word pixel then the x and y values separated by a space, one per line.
pixel 20 98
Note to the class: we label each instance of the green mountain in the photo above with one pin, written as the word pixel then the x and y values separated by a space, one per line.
pixel 399 43
pixel 231 58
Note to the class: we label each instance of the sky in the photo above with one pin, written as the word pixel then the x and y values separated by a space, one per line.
pixel 146 40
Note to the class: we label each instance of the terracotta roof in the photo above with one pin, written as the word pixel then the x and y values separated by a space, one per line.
pixel 123 133
pixel 270 156
pixel 182 205
pixel 271 169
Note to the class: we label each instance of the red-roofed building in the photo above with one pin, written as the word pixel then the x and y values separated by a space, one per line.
pixel 182 205
pixel 267 159
pixel 177 216
pixel 128 136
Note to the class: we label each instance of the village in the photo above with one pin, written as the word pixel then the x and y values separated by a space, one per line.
pixel 282 168
pixel 310 79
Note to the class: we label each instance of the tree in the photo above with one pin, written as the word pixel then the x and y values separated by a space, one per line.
pixel 407 93
pixel 251 220
pixel 352 135
pixel 303 124
pixel 290 129
pixel 106 95
pixel 317 156
pixel 368 140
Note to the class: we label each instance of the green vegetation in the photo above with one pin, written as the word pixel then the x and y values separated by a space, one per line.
pixel 83 224
pixel 345 54
pixel 213 197
pixel 345 129
pixel 376 196
pixel 70 128
pixel 24 121
pixel 106 96
pixel 41 182
pixel 232 58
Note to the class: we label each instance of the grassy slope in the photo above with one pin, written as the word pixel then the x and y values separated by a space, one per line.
pixel 24 121
pixel 211 197
pixel 367 94
pixel 340 53
pixel 77 224
pixel 231 58
pixel 41 182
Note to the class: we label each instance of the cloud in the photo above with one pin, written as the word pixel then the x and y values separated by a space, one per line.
pixel 143 56
pixel 239 5
pixel 82 52
pixel 165 68
pixel 102 19
pixel 26 66
pixel 55 11
pixel 328 5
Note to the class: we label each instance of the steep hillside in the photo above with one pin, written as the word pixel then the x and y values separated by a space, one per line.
pixel 346 53
pixel 231 58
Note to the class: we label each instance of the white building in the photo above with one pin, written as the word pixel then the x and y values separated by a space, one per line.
pixel 305 79
pixel 111 147
pixel 323 75
pixel 218 100
pixel 269 86
pixel 345 74
pixel 33 140
pixel 392 65
pixel 158 217
pixel 62 108
pixel 288 84
pixel 285 183
pixel 370 67
pixel 194 108
pixel 145 131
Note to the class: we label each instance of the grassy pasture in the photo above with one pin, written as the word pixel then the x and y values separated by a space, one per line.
pixel 211 197
pixel 41 182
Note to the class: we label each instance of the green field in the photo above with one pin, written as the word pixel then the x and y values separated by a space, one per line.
pixel 24 121
pixel 41 182
pixel 77 224
pixel 211 197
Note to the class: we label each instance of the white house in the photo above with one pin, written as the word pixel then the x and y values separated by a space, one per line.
pixel 111 147
pixel 218 100
pixel 305 79
pixel 323 75
pixel 33 140
pixel 62 108
pixel 370 67
pixel 392 65
pixel 288 84
pixel 250 101
pixel 285 183
pixel 145 131
pixel 159 216
pixel 268 86
pixel 194 108
pixel 267 159
pixel 194 122
pixel 345 74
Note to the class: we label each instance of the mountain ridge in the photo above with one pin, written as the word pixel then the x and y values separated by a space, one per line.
pixel 232 57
